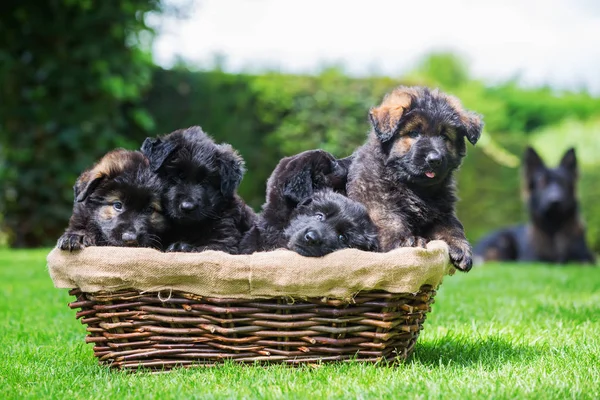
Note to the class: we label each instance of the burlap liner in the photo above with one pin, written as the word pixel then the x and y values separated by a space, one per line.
pixel 277 273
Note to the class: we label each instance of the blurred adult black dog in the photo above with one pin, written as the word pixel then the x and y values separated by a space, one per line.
pixel 304 213
pixel 555 232
pixel 200 179
pixel 117 203
pixel 404 173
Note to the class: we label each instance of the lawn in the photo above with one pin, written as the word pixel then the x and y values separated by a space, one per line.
pixel 500 331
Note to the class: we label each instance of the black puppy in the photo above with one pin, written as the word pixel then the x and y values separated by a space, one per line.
pixel 304 214
pixel 117 203
pixel 404 173
pixel 200 182
pixel 555 232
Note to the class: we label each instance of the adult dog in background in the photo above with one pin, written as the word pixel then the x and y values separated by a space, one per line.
pixel 555 232
pixel 404 172
pixel 305 213
pixel 200 181
pixel 117 203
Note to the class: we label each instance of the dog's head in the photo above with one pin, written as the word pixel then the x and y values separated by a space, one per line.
pixel 329 221
pixel 121 196
pixel 421 133
pixel 550 192
pixel 200 176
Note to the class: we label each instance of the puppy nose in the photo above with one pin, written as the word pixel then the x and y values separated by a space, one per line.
pixel 187 206
pixel 312 237
pixel 434 159
pixel 129 237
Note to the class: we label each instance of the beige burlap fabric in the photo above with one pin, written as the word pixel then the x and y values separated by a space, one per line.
pixel 261 275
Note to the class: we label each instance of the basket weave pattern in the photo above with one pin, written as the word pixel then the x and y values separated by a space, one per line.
pixel 133 330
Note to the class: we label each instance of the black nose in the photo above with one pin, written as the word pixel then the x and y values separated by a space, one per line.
pixel 129 238
pixel 312 238
pixel 434 159
pixel 187 206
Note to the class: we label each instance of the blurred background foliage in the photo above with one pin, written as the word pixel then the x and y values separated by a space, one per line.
pixel 76 80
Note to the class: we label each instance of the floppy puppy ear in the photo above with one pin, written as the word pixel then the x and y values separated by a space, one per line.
pixel 83 189
pixel 569 161
pixel 532 162
pixel 157 151
pixel 473 125
pixel 299 187
pixel 385 120
pixel 231 169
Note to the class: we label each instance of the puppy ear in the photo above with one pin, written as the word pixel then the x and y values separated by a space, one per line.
pixel 231 169
pixel 157 151
pixel 299 187
pixel 385 120
pixel 569 161
pixel 85 188
pixel 473 125
pixel 471 122
pixel 532 163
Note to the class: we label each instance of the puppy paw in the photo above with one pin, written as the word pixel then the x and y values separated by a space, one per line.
pixel 412 241
pixel 461 256
pixel 181 247
pixel 73 241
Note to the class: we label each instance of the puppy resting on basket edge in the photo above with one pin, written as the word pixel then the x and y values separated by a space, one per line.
pixel 117 203
pixel 305 214
pixel 404 172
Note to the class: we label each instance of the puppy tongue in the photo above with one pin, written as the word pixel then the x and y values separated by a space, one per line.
pixel 430 174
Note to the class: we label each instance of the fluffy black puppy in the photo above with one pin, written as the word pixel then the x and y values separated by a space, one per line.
pixel 555 232
pixel 117 203
pixel 404 173
pixel 304 214
pixel 200 181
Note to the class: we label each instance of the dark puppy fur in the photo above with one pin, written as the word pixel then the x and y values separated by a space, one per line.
pixel 303 212
pixel 117 203
pixel 200 179
pixel 404 173
pixel 555 232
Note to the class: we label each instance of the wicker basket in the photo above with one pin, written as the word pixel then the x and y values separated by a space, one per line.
pixel 133 328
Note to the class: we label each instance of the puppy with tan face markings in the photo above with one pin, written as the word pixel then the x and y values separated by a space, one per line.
pixel 117 203
pixel 404 173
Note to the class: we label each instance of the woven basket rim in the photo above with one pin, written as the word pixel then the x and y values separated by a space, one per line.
pixel 280 273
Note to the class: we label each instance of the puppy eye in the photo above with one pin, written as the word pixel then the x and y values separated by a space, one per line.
pixel 342 238
pixel 445 137
pixel 413 134
pixel 320 217
pixel 117 205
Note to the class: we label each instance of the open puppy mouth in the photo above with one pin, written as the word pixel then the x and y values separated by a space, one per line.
pixel 430 174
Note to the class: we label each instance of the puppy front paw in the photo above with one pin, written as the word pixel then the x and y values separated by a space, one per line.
pixel 461 256
pixel 74 241
pixel 181 247
pixel 412 241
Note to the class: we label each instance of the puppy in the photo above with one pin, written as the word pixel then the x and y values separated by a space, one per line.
pixel 304 214
pixel 200 201
pixel 117 203
pixel 404 173
pixel 555 232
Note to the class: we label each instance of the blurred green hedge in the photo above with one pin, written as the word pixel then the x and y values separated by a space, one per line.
pixel 271 115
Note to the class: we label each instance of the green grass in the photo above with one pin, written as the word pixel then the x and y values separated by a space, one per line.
pixel 500 331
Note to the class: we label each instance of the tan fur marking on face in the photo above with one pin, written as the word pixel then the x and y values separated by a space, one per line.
pixel 156 206
pixel 107 212
pixel 400 97
pixel 113 162
pixel 388 114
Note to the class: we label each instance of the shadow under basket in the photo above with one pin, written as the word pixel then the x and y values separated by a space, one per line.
pixel 133 328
